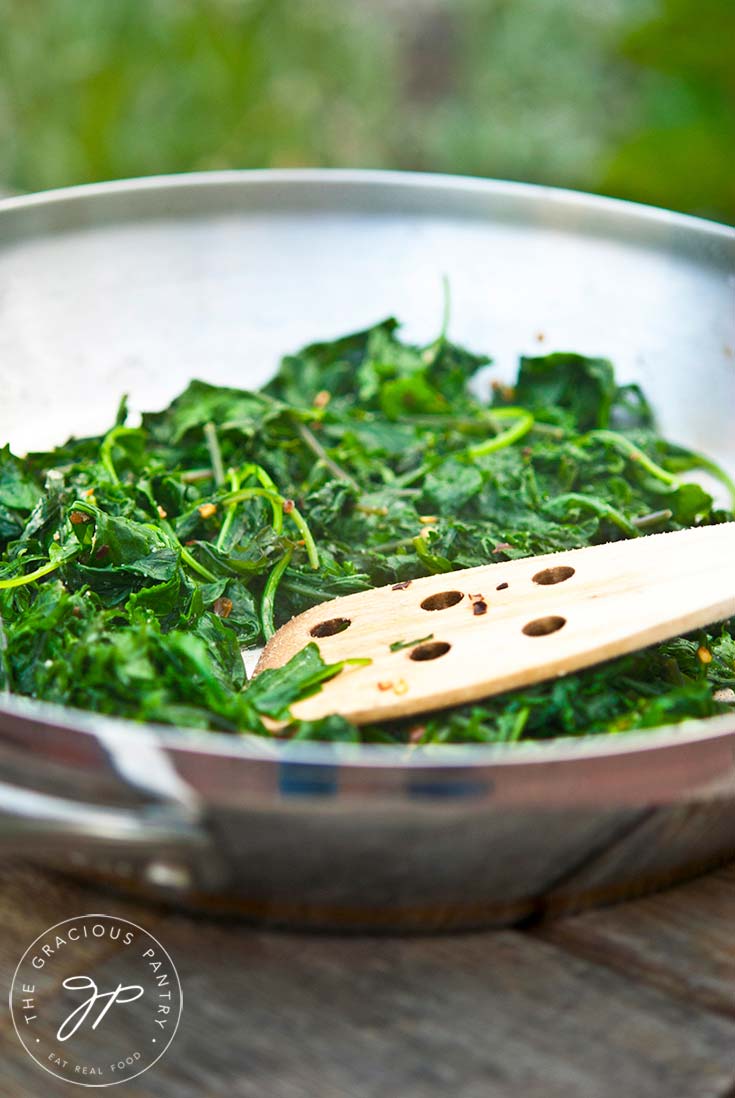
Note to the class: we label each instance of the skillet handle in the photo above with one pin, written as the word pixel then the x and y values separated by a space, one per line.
pixel 164 843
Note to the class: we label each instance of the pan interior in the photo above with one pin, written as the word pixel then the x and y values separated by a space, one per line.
pixel 138 287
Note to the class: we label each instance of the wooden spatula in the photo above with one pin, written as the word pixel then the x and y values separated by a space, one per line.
pixel 464 635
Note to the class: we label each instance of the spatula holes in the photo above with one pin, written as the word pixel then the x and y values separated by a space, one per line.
pixel 329 628
pixel 442 601
pixel 541 627
pixel 557 574
pixel 432 650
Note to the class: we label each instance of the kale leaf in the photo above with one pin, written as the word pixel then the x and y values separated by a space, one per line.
pixel 135 566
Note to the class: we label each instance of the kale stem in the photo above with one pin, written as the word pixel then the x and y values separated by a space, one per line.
pixel 266 481
pixel 309 543
pixel 391 546
pixel 507 437
pixel 269 594
pixel 635 454
pixel 229 517
pixel 308 437
pixel 548 429
pixel 431 352
pixel 191 476
pixel 416 474
pixel 604 510
pixel 186 556
pixel 652 519
pixel 106 448
pixel 215 454
pixel 466 424
pixel 236 479
pixel 196 566
pixel 31 577
pixel 294 514
pixel 519 724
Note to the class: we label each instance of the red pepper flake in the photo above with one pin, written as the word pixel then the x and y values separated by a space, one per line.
pixel 479 607
pixel 502 547
pixel 384 686
pixel 222 606
pixel 191 541
pixel 502 587
pixel 103 552
pixel 505 392
pixel 401 586
pixel 207 510
pixel 78 517
pixel 288 506
pixel 417 734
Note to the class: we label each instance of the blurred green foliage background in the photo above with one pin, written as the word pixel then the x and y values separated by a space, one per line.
pixel 634 98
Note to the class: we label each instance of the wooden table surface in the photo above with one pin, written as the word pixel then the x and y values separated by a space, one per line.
pixel 636 1001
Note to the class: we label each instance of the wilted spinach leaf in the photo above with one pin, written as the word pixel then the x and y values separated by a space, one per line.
pixel 134 566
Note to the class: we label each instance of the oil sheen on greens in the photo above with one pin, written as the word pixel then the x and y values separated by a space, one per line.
pixel 134 567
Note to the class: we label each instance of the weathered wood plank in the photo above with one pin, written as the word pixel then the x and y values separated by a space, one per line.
pixel 481 1016
pixel 680 941
pixel 492 1014
pixel 314 1017
pixel 31 901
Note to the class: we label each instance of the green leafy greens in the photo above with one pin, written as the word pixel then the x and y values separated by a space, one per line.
pixel 134 567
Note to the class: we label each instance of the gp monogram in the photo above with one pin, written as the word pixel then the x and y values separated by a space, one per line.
pixel 95 1000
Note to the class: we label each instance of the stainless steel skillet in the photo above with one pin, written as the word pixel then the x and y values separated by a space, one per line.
pixel 139 286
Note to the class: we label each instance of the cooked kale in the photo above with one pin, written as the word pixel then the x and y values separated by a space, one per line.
pixel 135 566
